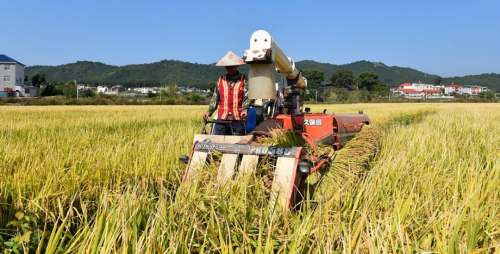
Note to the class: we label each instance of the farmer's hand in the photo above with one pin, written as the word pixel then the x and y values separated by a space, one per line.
pixel 244 115
pixel 206 115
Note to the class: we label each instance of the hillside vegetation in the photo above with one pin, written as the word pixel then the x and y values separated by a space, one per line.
pixel 199 75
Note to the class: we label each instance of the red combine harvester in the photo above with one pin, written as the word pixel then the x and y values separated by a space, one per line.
pixel 278 108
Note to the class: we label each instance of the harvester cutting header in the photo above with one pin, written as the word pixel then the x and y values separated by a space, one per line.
pixel 274 109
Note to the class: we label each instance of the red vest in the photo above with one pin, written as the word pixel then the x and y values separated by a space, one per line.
pixel 230 98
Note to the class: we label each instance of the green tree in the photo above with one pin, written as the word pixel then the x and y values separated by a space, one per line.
pixel 364 96
pixel 211 86
pixel 87 93
pixel 367 80
pixel 342 79
pixel 438 80
pixel 359 96
pixel 380 88
pixel 37 79
pixel 194 97
pixel 69 90
pixel 337 95
pixel 51 90
pixel 171 90
pixel 488 95
pixel 41 79
pixel 151 94
pixel 314 78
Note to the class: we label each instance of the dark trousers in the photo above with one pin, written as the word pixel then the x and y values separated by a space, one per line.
pixel 238 128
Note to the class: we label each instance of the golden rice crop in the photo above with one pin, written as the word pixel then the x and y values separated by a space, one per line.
pixel 105 179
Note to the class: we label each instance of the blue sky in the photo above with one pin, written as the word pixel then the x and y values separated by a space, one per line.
pixel 448 38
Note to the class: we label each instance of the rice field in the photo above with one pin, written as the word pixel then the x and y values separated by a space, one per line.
pixel 105 179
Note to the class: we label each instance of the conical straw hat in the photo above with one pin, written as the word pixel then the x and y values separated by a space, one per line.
pixel 230 59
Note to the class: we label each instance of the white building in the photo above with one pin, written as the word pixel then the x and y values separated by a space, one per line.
pixel 106 90
pixel 145 90
pixel 422 87
pixel 27 91
pixel 12 79
pixel 466 90
pixel 11 74
pixel 453 89
pixel 474 90
pixel 102 89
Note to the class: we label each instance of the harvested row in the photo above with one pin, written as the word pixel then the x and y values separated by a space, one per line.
pixel 354 160
pixel 351 162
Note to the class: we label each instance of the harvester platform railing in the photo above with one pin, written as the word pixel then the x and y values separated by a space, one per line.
pixel 243 160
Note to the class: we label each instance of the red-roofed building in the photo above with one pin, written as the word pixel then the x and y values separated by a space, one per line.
pixel 422 87
pixel 453 89
pixel 405 86
pixel 410 93
pixel 415 94
pixel 433 93
pixel 401 90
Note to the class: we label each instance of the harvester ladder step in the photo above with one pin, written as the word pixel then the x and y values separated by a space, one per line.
pixel 227 168
pixel 199 158
pixel 248 164
pixel 197 163
pixel 229 163
pixel 282 184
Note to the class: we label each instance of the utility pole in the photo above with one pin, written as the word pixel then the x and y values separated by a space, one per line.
pixel 76 92
pixel 357 92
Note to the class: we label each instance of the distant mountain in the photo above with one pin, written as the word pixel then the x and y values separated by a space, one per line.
pixel 199 75
pixel 166 71
pixel 390 75
pixel 490 80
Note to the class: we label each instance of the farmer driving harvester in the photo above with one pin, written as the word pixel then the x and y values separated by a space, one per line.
pixel 231 97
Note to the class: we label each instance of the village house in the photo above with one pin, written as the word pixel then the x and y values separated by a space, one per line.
pixel 436 91
pixel 105 90
pixel 453 89
pixel 420 91
pixel 145 90
pixel 430 93
pixel 410 93
pixel 12 79
pixel 424 94
pixel 406 86
pixel 422 87
pixel 473 90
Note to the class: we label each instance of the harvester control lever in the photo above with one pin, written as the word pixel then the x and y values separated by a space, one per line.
pixel 325 158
